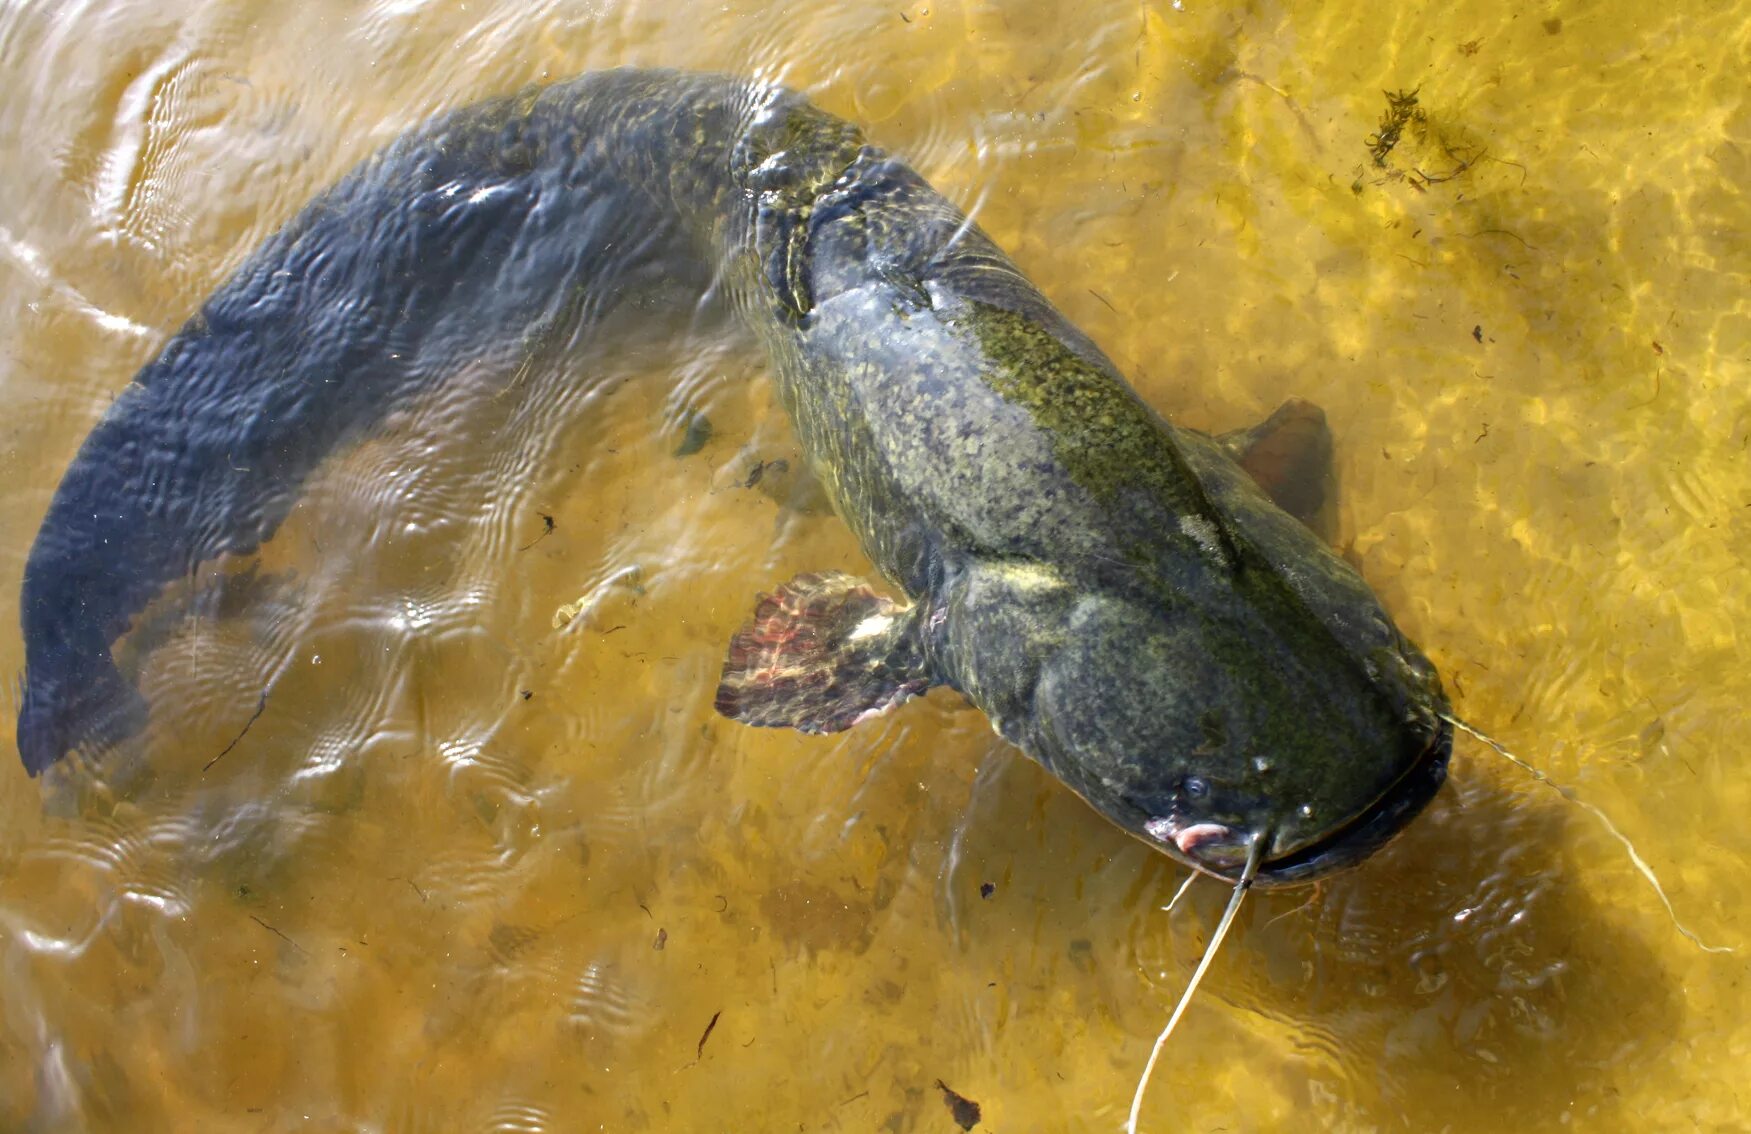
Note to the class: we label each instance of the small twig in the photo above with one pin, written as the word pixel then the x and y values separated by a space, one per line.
pixel 1518 166
pixel 278 934
pixel 1464 164
pixel 259 707
pixel 699 1052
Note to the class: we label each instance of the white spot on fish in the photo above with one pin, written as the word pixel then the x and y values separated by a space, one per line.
pixel 871 626
pixel 1200 531
pixel 1030 576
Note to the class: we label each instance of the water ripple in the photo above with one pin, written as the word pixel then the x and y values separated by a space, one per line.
pixel 514 1117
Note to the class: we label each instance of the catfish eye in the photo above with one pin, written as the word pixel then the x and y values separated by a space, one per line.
pixel 1195 787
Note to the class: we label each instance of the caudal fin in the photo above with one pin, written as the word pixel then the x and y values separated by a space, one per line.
pixel 83 702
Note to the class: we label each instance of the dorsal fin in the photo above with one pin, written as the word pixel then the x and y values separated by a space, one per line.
pixel 1289 454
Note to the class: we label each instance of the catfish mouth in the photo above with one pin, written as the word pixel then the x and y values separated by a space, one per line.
pixel 1374 827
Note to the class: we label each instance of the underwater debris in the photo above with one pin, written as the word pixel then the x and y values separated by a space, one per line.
pixel 592 606
pixel 964 1110
pixel 1401 111
pixel 761 468
pixel 693 439
pixel 276 932
pixel 699 1052
pixel 260 706
pixel 1440 152
pixel 546 530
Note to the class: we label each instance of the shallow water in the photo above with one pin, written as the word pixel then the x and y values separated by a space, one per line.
pixel 466 870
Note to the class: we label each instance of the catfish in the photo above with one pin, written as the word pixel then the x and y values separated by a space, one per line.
pixel 1142 608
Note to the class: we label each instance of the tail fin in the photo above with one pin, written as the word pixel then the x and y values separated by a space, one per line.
pixel 81 702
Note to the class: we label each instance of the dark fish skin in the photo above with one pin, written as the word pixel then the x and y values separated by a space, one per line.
pixel 471 235
pixel 1115 593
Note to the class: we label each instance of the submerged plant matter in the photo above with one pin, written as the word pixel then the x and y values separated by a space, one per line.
pixel 1401 111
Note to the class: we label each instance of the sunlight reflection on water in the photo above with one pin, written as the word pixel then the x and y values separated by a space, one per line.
pixel 469 870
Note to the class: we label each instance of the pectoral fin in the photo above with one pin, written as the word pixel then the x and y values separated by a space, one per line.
pixel 822 654
pixel 1289 454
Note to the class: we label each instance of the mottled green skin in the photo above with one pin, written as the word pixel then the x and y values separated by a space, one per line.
pixel 1112 591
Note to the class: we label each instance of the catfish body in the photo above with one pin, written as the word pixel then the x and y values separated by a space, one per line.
pixel 1118 595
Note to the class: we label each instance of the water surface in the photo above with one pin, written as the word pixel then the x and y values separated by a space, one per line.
pixel 467 870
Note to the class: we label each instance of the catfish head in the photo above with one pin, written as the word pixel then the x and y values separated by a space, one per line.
pixel 1204 727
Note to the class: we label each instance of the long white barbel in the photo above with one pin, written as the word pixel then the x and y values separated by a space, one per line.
pixel 1635 857
pixel 1254 857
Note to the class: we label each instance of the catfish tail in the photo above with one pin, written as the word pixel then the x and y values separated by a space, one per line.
pixel 487 229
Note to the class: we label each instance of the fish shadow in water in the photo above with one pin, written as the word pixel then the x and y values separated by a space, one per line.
pixel 1464 977
pixel 1461 979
